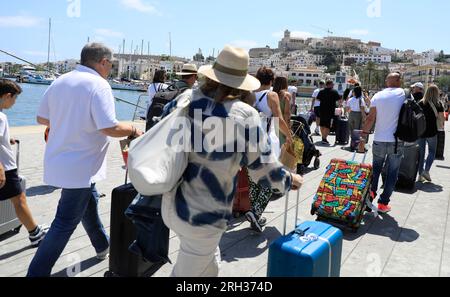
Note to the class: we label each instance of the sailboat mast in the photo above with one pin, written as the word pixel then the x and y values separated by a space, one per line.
pixel 170 44
pixel 48 52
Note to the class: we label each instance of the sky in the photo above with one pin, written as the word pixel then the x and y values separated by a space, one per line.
pixel 209 25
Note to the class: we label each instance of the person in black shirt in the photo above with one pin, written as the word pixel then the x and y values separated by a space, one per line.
pixel 328 98
pixel 434 114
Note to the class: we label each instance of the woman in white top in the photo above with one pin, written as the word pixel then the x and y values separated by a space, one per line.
pixel 157 86
pixel 357 109
pixel 268 103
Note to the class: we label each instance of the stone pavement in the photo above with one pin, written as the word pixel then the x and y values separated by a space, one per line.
pixel 413 240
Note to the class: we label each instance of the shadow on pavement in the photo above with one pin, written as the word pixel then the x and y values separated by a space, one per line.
pixel 320 144
pixel 40 191
pixel 10 234
pixel 385 226
pixel 77 268
pixel 443 167
pixel 430 188
pixel 14 253
pixel 255 244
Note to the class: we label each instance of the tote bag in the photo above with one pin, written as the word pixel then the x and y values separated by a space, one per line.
pixel 157 160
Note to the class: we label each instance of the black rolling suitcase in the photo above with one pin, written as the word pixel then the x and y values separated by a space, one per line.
pixel 440 146
pixel 409 167
pixel 123 262
pixel 342 134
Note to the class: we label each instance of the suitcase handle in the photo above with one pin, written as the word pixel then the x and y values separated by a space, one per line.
pixel 286 212
pixel 365 155
pixel 17 154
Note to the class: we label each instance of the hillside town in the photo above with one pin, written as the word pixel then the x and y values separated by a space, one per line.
pixel 304 61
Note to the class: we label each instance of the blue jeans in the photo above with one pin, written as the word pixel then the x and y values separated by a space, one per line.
pixel 432 147
pixel 75 206
pixel 384 156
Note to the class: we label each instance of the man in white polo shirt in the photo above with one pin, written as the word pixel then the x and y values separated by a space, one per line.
pixel 80 111
pixel 385 108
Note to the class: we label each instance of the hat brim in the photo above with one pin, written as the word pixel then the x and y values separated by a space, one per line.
pixel 186 73
pixel 246 83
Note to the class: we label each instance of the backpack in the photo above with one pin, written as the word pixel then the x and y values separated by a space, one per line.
pixel 412 123
pixel 160 100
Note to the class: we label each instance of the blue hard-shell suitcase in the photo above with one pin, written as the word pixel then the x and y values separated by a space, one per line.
pixel 314 249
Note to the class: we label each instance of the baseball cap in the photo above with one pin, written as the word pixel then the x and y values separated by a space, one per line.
pixel 418 85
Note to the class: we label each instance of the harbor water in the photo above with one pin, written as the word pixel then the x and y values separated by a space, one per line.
pixel 23 113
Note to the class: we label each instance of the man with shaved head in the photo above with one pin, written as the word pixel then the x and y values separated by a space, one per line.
pixel 385 109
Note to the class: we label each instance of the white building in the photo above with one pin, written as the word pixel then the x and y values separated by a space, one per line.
pixel 340 79
pixel 307 76
pixel 66 65
pixel 365 58
pixel 425 58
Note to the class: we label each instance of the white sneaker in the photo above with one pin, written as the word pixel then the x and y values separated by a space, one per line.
pixel 421 179
pixel 39 235
pixel 426 175
pixel 103 255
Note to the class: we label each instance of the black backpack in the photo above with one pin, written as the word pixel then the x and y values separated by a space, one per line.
pixel 159 101
pixel 411 123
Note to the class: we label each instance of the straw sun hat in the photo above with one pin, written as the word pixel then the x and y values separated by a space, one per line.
pixel 231 69
pixel 188 69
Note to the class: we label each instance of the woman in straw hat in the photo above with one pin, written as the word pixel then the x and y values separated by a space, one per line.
pixel 199 209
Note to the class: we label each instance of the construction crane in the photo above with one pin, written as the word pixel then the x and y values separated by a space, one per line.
pixel 323 29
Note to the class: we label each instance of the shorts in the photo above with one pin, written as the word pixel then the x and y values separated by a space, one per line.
pixel 317 111
pixel 12 188
pixel 325 122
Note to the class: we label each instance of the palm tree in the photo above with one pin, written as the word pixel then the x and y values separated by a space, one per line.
pixel 370 67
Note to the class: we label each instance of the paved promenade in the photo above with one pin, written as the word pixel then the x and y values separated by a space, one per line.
pixel 413 240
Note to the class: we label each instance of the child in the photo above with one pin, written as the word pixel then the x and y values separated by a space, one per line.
pixel 12 189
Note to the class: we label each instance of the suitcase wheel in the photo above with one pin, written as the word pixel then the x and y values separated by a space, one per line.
pixel 355 230
pixel 109 274
pixel 17 230
pixel 301 169
pixel 316 163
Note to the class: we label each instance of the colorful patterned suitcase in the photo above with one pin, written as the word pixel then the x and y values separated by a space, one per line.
pixel 313 249
pixel 344 193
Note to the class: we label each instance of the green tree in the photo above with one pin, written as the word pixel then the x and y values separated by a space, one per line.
pixel 331 62
pixel 444 83
pixel 441 57
pixel 369 69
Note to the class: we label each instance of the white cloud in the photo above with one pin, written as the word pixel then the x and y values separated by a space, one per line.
pixel 139 6
pixel 358 32
pixel 295 34
pixel 245 44
pixel 19 21
pixel 109 33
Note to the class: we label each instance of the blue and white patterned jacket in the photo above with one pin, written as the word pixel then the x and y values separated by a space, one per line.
pixel 205 197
